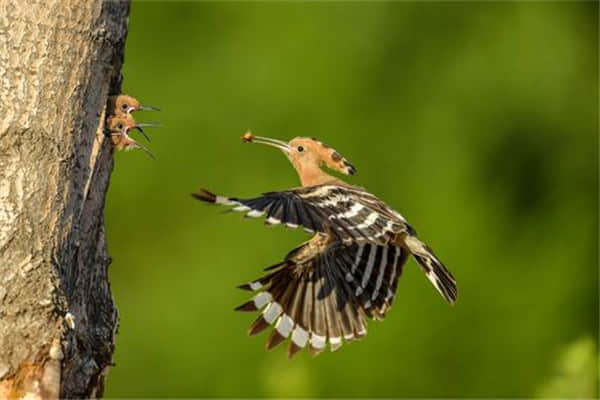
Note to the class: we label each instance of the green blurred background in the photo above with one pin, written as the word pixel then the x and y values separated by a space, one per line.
pixel 477 121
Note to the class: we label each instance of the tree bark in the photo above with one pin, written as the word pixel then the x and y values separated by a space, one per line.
pixel 59 61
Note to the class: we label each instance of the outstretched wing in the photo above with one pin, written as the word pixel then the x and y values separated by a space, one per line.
pixel 326 297
pixel 349 213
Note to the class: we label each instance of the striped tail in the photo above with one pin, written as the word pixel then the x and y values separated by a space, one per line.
pixel 435 271
pixel 326 298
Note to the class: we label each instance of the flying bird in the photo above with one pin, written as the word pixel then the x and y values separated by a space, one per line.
pixel 324 290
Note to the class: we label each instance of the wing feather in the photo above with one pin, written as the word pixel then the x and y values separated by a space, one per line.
pixel 348 213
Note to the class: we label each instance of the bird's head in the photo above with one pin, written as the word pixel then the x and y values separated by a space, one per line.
pixel 120 124
pixel 125 122
pixel 124 104
pixel 307 154
pixel 312 152
pixel 119 127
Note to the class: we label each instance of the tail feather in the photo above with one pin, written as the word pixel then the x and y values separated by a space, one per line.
pixel 436 272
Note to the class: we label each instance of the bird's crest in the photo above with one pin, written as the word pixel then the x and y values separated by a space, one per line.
pixel 334 160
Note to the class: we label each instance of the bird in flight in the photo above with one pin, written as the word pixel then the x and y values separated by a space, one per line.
pixel 324 290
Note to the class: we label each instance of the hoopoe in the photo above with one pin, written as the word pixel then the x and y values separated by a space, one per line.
pixel 118 128
pixel 324 290
pixel 123 104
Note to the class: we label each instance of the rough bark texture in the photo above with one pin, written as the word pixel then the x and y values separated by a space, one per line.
pixel 59 60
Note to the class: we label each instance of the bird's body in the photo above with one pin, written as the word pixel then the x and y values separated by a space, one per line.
pixel 323 290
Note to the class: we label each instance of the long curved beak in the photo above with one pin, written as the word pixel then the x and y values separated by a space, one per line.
pixel 145 150
pixel 140 125
pixel 149 108
pixel 150 124
pixel 281 145
pixel 139 128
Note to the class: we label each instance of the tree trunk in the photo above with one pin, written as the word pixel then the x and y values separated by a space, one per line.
pixel 59 60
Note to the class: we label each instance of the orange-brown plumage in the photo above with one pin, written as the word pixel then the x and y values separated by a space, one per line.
pixel 124 104
pixel 119 128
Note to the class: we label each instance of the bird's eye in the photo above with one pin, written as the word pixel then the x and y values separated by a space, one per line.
pixel 119 126
pixel 124 107
pixel 300 149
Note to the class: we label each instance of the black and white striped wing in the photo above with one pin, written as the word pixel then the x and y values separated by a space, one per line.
pixel 283 208
pixel 349 213
pixel 373 272
pixel 326 299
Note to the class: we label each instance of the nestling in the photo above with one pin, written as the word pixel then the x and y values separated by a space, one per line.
pixel 123 104
pixel 324 290
pixel 118 128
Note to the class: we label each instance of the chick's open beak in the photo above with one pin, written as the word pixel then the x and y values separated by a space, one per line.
pixel 139 128
pixel 145 150
pixel 140 125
